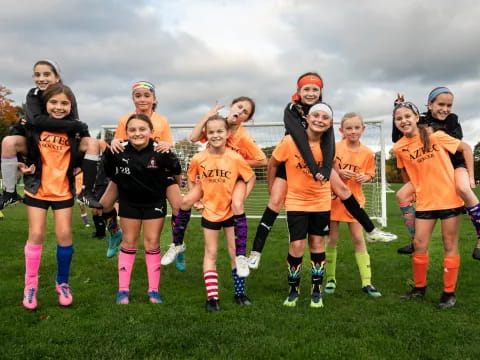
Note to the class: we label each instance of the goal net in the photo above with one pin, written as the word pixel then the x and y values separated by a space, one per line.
pixel 267 136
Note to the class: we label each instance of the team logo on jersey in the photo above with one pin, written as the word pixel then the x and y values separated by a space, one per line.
pixel 215 175
pixel 152 164
pixel 422 154
pixel 125 160
pixel 302 165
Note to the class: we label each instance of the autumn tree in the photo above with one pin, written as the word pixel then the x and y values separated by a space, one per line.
pixel 392 172
pixel 8 112
pixel 476 159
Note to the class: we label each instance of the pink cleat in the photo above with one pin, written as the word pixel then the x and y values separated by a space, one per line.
pixel 30 298
pixel 64 294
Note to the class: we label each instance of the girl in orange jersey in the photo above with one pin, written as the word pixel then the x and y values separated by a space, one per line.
pixel 425 161
pixel 45 73
pixel 52 161
pixel 307 203
pixel 241 110
pixel 309 92
pixel 218 169
pixel 355 163
pixel 145 101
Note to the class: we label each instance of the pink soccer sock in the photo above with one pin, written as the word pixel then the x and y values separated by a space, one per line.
pixel 126 259
pixel 152 259
pixel 33 253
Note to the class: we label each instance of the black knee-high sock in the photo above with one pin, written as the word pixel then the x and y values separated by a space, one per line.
pixel 89 168
pixel 317 270
pixel 263 229
pixel 99 225
pixel 358 213
pixel 294 272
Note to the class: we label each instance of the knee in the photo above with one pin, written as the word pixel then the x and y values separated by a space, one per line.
pixel 237 207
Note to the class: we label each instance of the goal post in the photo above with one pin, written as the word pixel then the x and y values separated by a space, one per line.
pixel 267 136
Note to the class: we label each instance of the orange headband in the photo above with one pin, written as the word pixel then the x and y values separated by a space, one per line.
pixel 307 79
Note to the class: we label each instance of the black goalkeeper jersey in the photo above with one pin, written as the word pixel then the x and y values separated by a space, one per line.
pixel 141 175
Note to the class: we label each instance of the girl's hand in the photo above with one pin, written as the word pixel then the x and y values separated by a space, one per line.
pixel 400 99
pixel 26 170
pixel 198 205
pixel 116 146
pixel 319 177
pixel 473 184
pixel 346 174
pixel 362 178
pixel 215 109
pixel 162 147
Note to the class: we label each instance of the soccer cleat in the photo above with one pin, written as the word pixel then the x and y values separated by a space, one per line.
pixel 291 300
pixel 406 249
pixel 113 243
pixel 242 299
pixel 212 305
pixel 64 294
pixel 380 236
pixel 123 297
pixel 30 298
pixel 415 293
pixel 476 253
pixel 9 198
pixel 97 236
pixel 254 260
pixel 180 264
pixel 88 198
pixel 241 262
pixel 371 291
pixel 172 252
pixel 154 297
pixel 316 300
pixel 447 300
pixel 330 287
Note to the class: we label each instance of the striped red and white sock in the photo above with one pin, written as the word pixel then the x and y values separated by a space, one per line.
pixel 211 283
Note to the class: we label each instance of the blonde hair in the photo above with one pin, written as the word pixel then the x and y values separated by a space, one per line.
pixel 351 115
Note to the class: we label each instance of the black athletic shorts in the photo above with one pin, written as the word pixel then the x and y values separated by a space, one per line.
pixel 439 214
pixel 207 224
pixel 281 172
pixel 45 204
pixel 458 161
pixel 129 211
pixel 301 223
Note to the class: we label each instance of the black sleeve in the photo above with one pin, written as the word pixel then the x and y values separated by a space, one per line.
pixel 172 164
pixel 454 127
pixel 328 150
pixel 37 118
pixel 109 163
pixel 293 125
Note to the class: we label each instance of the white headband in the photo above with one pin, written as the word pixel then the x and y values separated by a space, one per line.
pixel 321 107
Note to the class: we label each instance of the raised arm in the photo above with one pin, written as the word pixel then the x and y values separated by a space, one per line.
pixel 197 132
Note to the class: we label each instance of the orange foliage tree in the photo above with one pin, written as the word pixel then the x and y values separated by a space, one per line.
pixel 8 111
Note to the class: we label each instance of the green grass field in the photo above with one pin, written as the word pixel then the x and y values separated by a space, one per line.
pixel 350 326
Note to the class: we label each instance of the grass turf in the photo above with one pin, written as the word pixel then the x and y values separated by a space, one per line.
pixel 351 325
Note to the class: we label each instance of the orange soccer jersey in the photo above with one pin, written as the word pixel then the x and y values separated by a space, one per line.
pixel 218 175
pixel 304 193
pixel 55 156
pixel 431 172
pixel 161 128
pixel 361 161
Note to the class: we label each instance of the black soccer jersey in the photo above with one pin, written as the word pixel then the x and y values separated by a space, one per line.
pixel 142 176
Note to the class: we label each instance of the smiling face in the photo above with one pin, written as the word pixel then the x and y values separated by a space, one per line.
pixel 319 121
pixel 138 133
pixel 58 106
pixel 216 133
pixel 143 100
pixel 406 121
pixel 243 110
pixel 43 75
pixel 309 94
pixel 352 129
pixel 441 106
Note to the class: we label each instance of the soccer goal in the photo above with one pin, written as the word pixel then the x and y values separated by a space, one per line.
pixel 267 136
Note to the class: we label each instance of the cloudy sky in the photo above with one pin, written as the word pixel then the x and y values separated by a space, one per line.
pixel 196 52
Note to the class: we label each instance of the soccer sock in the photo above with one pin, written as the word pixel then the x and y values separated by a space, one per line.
pixel 99 225
pixel 211 283
pixel 89 168
pixel 474 213
pixel 408 213
pixel 238 283
pixel 180 226
pixel 317 270
pixel 64 259
pixel 85 219
pixel 241 230
pixel 420 267
pixel 33 254
pixel 9 172
pixel 263 229
pixel 451 264
pixel 331 264
pixel 152 259
pixel 294 271
pixel 126 259
pixel 358 213
pixel 363 263
pixel 111 220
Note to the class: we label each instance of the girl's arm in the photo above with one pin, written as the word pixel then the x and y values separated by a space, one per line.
pixel 273 165
pixel 197 132
pixel 404 175
pixel 293 125
pixel 256 163
pixel 466 150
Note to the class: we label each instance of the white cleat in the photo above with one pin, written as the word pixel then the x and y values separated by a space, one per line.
pixel 254 260
pixel 172 252
pixel 242 266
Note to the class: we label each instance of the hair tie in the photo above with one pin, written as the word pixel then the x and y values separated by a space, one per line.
pixel 437 91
